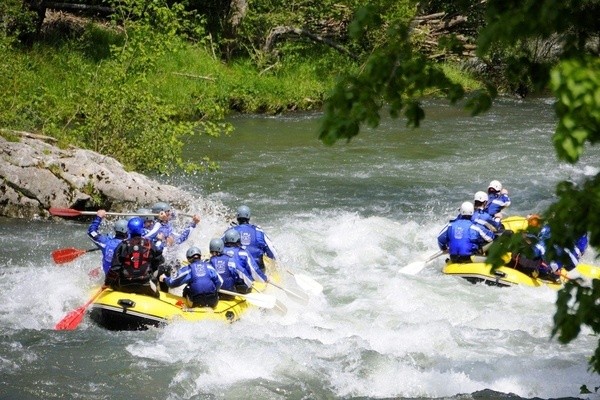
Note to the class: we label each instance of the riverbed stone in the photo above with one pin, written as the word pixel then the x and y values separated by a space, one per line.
pixel 36 175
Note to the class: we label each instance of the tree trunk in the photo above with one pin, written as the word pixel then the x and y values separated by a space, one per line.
pixel 290 31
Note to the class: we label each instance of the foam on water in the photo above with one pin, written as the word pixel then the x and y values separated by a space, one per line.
pixel 350 218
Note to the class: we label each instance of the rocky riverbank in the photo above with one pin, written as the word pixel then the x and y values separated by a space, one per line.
pixel 35 175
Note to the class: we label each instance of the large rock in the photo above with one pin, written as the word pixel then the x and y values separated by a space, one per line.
pixel 35 176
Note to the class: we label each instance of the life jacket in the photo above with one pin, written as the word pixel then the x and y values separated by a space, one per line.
pixel 201 282
pixel 224 264
pixel 137 260
pixel 108 252
pixel 459 239
pixel 250 242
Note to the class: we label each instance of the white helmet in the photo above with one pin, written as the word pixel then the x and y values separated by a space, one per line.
pixel 467 208
pixel 496 185
pixel 481 197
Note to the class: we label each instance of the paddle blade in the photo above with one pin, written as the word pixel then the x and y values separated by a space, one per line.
pixel 62 256
pixel 256 299
pixel 412 268
pixel 280 308
pixel 261 300
pixel 64 212
pixel 74 318
pixel 296 295
pixel 309 284
pixel 71 320
pixel 416 267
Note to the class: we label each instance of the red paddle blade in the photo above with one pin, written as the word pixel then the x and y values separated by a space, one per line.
pixel 74 318
pixel 71 320
pixel 64 212
pixel 62 256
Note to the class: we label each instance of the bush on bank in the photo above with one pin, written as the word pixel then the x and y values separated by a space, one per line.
pixel 136 86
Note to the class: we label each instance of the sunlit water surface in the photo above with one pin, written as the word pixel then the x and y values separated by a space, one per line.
pixel 349 216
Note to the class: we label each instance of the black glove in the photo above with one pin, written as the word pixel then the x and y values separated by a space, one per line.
pixel 164 269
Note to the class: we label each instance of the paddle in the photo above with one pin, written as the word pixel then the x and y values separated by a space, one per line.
pixel 62 256
pixel 416 267
pixel 257 299
pixel 69 212
pixel 306 282
pixel 279 306
pixel 300 297
pixel 74 318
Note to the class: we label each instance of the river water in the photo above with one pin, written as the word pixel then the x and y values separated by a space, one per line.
pixel 349 216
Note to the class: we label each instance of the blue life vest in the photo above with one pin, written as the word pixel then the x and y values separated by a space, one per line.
pixel 225 266
pixel 108 251
pixel 482 218
pixel 202 281
pixel 460 238
pixel 496 203
pixel 250 240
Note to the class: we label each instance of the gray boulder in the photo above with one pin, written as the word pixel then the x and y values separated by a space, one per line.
pixel 36 175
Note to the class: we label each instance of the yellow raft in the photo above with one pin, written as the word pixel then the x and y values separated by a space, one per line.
pixel 506 276
pixel 515 223
pixel 116 310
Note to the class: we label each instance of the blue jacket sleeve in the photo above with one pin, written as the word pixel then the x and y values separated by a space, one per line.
pixel 215 277
pixel 151 234
pixel 185 234
pixel 183 276
pixel 94 233
pixel 443 239
pixel 264 243
pixel 257 274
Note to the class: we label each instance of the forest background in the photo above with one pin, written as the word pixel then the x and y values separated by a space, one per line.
pixel 133 79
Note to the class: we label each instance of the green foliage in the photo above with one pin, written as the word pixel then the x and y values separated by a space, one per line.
pixel 17 22
pixel 375 21
pixel 576 306
pixel 394 76
pixel 576 84
pixel 137 93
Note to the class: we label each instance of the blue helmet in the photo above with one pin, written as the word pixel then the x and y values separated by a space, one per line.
pixel 135 226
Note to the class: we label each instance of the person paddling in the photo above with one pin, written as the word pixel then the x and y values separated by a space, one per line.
pixel 201 279
pixel 234 277
pixel 482 217
pixel 252 238
pixel 498 199
pixel 107 243
pixel 165 236
pixel 163 227
pixel 134 261
pixel 233 248
pixel 461 237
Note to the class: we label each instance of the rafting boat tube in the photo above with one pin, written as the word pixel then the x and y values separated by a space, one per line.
pixel 116 310
pixel 515 223
pixel 476 272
